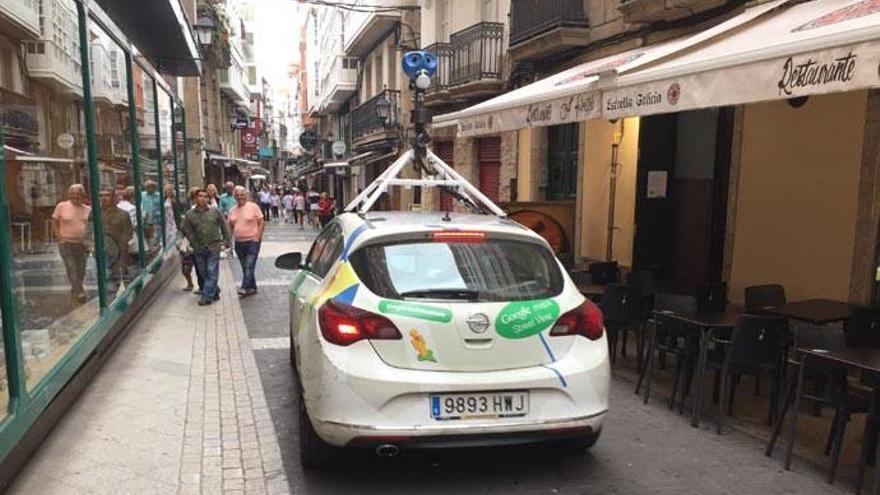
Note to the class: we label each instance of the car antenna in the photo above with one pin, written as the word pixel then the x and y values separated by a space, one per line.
pixel 432 171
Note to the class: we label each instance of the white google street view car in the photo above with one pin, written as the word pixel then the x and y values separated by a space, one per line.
pixel 428 330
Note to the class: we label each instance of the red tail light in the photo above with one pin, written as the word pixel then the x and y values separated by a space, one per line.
pixel 585 320
pixel 470 236
pixel 344 325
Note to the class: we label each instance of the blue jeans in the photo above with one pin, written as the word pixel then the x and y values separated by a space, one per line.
pixel 247 252
pixel 208 269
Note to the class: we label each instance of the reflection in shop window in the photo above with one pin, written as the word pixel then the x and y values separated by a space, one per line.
pixel 48 191
pixel 166 143
pixel 151 196
pixel 118 202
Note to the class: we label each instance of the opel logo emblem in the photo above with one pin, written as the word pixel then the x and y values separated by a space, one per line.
pixel 478 323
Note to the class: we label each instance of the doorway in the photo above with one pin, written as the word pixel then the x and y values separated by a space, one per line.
pixel 681 195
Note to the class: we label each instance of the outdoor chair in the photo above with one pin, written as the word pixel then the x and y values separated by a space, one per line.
pixel 712 297
pixel 621 311
pixel 604 272
pixel 831 391
pixel 758 297
pixel 753 349
pixel 581 278
pixel 672 338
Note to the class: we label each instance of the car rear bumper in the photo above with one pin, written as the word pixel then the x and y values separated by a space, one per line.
pixel 352 396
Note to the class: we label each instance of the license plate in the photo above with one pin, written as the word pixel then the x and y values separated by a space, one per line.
pixel 479 405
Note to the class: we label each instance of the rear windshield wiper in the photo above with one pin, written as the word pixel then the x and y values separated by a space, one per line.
pixel 443 294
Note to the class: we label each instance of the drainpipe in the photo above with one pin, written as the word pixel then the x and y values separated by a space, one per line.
pixel 612 193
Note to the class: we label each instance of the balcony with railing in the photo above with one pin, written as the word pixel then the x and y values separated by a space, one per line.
pixel 475 65
pixel 539 28
pixel 366 125
pixel 440 81
pixel 55 65
pixel 233 82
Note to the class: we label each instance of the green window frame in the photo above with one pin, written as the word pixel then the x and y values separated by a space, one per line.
pixel 25 407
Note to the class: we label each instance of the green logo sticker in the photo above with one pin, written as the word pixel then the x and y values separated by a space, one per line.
pixel 519 320
pixel 420 311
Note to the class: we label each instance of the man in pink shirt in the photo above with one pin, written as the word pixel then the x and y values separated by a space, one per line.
pixel 247 223
pixel 70 221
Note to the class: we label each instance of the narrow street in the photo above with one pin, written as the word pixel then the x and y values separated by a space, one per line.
pixel 644 449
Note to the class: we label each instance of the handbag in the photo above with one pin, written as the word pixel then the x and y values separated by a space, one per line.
pixel 184 246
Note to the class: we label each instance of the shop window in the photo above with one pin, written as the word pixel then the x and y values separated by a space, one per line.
pixel 51 227
pixel 117 191
pixel 169 166
pixel 151 194
pixel 562 160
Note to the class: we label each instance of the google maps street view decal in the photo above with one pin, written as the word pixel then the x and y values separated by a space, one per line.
pixel 342 287
pixel 418 343
pixel 420 311
pixel 519 320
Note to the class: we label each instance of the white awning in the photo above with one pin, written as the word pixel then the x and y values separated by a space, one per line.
pixel 345 163
pixel 16 150
pixel 818 47
pixel 574 95
pixel 246 162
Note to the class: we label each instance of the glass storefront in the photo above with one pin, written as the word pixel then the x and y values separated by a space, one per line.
pixel 90 137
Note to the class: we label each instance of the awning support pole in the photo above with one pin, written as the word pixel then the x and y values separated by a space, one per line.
pixel 612 193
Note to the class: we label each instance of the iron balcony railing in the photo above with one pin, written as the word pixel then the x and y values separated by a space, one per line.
pixel 365 120
pixel 443 51
pixel 531 18
pixel 476 53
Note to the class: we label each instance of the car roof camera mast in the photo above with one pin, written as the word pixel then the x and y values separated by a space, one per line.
pixel 419 66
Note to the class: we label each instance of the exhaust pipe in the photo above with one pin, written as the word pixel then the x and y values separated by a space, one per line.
pixel 387 450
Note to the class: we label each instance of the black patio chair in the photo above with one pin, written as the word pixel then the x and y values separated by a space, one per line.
pixel 604 272
pixel 672 338
pixel 753 349
pixel 712 297
pixel 833 391
pixel 621 311
pixel 758 297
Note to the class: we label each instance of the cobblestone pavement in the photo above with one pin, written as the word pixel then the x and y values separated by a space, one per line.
pixel 179 408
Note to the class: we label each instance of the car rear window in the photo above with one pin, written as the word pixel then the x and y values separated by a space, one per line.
pixel 493 270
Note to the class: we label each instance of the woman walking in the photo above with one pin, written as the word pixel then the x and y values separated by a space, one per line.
pixel 299 209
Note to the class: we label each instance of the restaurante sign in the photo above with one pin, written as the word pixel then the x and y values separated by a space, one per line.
pixel 812 73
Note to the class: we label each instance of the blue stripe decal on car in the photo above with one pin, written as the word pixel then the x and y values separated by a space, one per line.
pixel 547 347
pixel 351 238
pixel 553 359
pixel 561 378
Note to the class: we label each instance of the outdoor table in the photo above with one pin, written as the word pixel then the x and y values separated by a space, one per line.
pixel 860 359
pixel 706 323
pixel 815 311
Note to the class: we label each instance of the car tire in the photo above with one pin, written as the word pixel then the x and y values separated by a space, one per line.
pixel 314 453
pixel 579 445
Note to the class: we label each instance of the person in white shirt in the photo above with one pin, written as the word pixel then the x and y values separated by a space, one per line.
pixel 287 203
pixel 299 209
pixel 128 206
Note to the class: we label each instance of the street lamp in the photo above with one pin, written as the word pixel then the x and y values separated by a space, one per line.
pixel 205 28
pixel 383 109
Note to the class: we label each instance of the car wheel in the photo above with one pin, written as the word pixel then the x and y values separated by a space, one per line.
pixel 314 453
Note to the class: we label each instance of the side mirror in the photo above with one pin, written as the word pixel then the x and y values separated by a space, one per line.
pixel 289 261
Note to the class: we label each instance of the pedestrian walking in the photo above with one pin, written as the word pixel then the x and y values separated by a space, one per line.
pixel 276 204
pixel 117 228
pixel 265 200
pixel 325 209
pixel 247 224
pixel 70 222
pixel 151 208
pixel 287 203
pixel 207 232
pixel 227 199
pixel 299 209
pixel 213 197
pixel 171 211
pixel 312 198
